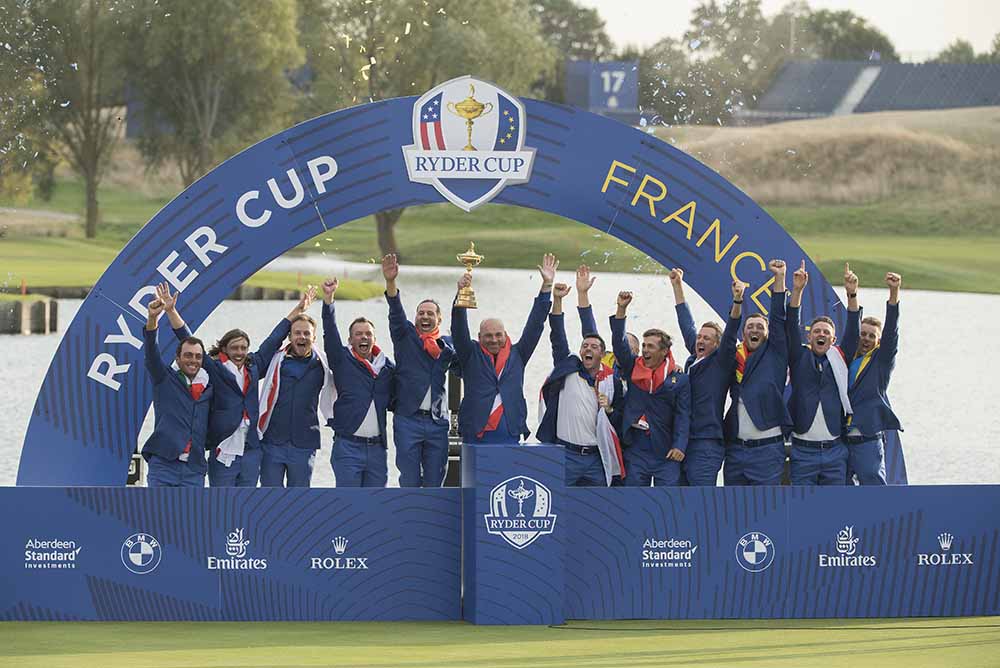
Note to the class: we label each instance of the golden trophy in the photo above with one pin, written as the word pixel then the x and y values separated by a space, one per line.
pixel 470 258
pixel 470 109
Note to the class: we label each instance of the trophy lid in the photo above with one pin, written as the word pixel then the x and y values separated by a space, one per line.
pixel 470 256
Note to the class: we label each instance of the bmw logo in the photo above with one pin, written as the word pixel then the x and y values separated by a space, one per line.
pixel 141 553
pixel 754 552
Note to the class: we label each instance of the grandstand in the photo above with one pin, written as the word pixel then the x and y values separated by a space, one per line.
pixel 818 88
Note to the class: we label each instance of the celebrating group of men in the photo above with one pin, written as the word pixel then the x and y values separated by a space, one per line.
pixel 632 416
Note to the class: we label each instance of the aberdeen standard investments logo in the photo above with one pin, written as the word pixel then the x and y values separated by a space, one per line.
pixel 520 511
pixel 468 142
pixel 754 552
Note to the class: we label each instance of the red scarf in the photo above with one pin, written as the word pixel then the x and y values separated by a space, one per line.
pixel 649 380
pixel 429 339
pixel 499 362
pixel 742 355
pixel 196 389
pixel 368 365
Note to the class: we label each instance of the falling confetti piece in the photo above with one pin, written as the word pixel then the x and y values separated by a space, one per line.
pixel 407 31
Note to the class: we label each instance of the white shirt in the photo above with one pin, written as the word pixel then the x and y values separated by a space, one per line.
pixel 817 431
pixel 369 426
pixel 425 405
pixel 748 431
pixel 576 421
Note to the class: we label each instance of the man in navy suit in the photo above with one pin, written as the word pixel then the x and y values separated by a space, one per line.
pixel 871 350
pixel 423 356
pixel 181 397
pixel 581 397
pixel 493 409
pixel 233 441
pixel 657 413
pixel 712 357
pixel 819 400
pixel 755 445
pixel 363 375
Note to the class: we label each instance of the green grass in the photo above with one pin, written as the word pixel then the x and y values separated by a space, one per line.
pixel 70 262
pixel 904 643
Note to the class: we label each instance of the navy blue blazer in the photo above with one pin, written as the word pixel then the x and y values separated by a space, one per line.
pixel 868 394
pixel 710 377
pixel 764 377
pixel 294 420
pixel 415 369
pixel 356 388
pixel 480 382
pixel 565 364
pixel 667 410
pixel 179 418
pixel 228 400
pixel 812 382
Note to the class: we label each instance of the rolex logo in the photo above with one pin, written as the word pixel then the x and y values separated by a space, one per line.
pixel 339 544
pixel 944 540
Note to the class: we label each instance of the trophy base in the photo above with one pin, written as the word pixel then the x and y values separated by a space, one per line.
pixel 466 299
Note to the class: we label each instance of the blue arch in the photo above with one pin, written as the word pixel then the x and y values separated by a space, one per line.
pixel 588 168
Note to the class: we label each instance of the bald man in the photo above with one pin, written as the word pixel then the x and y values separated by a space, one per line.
pixel 493 409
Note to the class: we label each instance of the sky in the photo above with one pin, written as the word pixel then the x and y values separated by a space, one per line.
pixel 918 28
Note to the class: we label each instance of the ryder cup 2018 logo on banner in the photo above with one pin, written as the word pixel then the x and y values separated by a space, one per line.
pixel 468 142
pixel 520 511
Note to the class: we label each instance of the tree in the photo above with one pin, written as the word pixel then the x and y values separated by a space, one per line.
pixel 574 33
pixel 844 35
pixel 363 51
pixel 82 63
pixel 211 77
pixel 25 107
pixel 959 51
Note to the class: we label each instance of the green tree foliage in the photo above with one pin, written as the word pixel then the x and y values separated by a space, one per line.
pixel 81 60
pixel 961 51
pixel 24 104
pixel 361 51
pixel 212 77
pixel 574 33
pixel 843 35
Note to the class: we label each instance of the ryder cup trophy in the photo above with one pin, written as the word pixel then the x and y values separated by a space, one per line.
pixel 466 296
pixel 470 109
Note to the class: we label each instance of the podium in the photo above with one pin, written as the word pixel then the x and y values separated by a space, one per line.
pixel 513 540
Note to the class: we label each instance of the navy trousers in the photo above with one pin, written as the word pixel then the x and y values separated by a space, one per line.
pixel 421 450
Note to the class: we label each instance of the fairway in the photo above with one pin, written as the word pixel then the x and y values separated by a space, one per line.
pixel 967 642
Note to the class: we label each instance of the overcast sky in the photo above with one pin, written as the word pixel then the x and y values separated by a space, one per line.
pixel 917 28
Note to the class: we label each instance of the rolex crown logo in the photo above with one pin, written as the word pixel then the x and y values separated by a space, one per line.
pixel 339 544
pixel 945 540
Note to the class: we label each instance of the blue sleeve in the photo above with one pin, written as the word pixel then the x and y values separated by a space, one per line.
pixel 534 327
pixel 852 335
pixel 619 344
pixel 460 336
pixel 793 329
pixel 727 348
pixel 557 335
pixel 686 322
pixel 776 323
pixel 398 324
pixel 154 364
pixel 682 416
pixel 269 346
pixel 182 332
pixel 332 343
pixel 588 325
pixel 889 345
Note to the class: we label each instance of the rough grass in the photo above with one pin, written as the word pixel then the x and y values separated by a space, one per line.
pixel 860 643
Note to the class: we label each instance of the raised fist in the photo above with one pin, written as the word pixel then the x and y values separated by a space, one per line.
pixel 330 286
pixel 624 298
pixel 465 281
pixel 676 276
pixel 739 287
pixel 560 290
pixel 893 280
pixel 777 267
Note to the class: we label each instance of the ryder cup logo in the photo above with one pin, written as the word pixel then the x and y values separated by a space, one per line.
pixel 141 553
pixel 468 142
pixel 520 511
pixel 754 552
